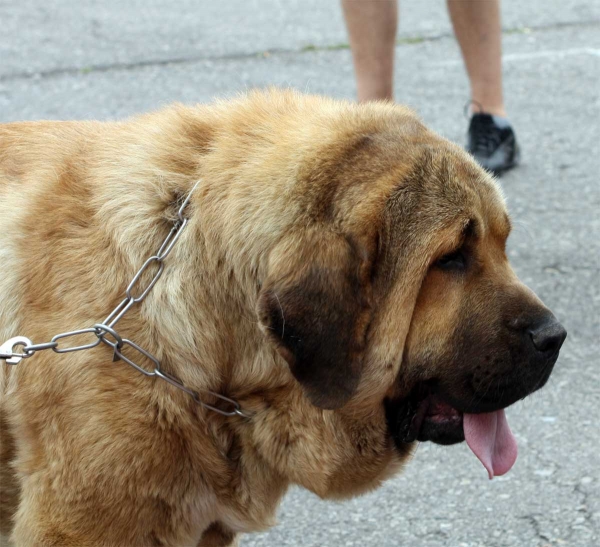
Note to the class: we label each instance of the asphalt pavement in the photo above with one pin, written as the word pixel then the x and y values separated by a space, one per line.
pixel 61 59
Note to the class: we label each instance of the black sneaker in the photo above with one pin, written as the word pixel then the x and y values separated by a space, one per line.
pixel 492 142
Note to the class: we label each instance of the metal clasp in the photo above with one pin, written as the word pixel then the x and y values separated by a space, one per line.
pixel 7 350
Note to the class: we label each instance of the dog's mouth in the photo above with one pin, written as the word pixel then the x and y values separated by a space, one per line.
pixel 426 415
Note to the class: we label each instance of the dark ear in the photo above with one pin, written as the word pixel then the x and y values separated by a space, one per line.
pixel 316 307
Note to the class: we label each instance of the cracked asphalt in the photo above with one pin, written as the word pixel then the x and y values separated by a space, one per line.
pixel 67 60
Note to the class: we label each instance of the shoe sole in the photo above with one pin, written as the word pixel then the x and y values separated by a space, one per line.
pixel 516 161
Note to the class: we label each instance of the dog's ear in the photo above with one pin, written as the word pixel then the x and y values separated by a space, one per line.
pixel 315 306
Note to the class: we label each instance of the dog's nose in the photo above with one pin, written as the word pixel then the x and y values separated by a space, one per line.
pixel 548 335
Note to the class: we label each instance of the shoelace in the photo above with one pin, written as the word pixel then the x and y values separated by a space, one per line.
pixel 485 136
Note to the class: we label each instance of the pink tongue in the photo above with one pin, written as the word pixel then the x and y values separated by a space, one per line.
pixel 491 440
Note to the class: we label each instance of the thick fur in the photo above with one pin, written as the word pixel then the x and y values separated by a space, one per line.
pixel 304 270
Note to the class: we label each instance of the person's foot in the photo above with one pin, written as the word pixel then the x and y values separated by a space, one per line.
pixel 493 143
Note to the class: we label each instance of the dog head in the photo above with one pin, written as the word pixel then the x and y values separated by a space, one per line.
pixel 394 289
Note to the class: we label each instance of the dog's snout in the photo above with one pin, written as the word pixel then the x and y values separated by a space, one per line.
pixel 547 336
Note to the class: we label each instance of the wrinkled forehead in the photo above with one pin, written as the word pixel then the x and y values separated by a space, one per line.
pixel 446 187
pixel 413 182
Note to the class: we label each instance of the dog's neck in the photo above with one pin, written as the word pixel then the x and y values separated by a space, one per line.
pixel 214 275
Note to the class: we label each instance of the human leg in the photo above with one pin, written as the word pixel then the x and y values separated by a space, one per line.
pixel 372 30
pixel 477 26
pixel 478 31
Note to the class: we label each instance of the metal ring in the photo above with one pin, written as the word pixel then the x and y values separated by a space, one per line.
pixel 112 332
pixel 32 348
pixel 171 239
pixel 138 275
pixel 174 381
pixel 119 354
pixel 186 201
pixel 236 406
pixel 118 312
pixel 242 414
pixel 74 333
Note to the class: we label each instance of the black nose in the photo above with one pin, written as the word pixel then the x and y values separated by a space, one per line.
pixel 548 336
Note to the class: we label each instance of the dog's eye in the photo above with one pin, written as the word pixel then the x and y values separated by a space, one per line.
pixel 452 261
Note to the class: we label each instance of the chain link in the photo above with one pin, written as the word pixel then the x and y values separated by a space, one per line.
pixel 100 331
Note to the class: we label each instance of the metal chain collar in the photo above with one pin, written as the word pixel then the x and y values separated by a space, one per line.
pixel 101 331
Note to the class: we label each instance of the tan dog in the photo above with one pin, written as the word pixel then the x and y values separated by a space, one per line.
pixel 342 276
